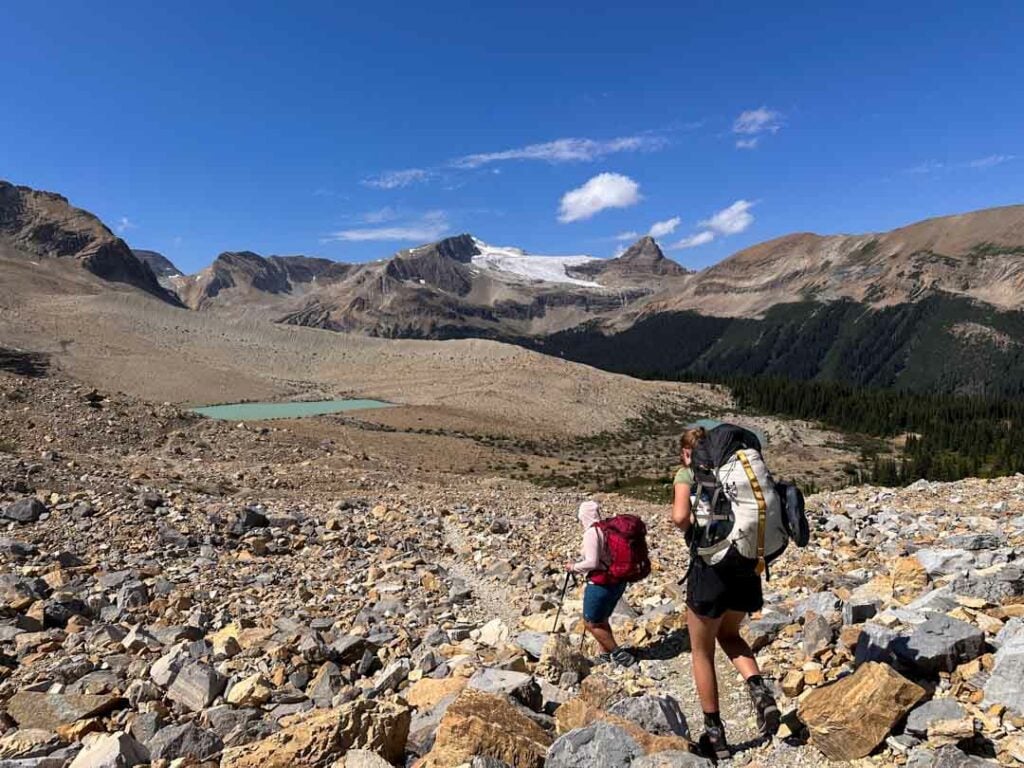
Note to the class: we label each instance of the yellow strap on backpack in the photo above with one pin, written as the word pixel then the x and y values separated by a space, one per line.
pixel 762 510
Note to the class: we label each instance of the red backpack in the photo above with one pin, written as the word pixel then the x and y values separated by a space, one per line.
pixel 625 541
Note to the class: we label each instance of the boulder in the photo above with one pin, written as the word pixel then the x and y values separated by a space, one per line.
pixel 659 715
pixel 110 750
pixel 494 633
pixel 49 711
pixel 28 742
pixel 518 685
pixel 558 658
pixel 599 743
pixel 821 603
pixel 1006 682
pixel 25 510
pixel 196 686
pixel 532 642
pixel 486 725
pixel 908 579
pixel 945 757
pixel 251 691
pixel 576 713
pixel 922 718
pixel 425 693
pixel 361 758
pixel 940 644
pixel 849 718
pixel 184 740
pixel 944 561
pixel 316 739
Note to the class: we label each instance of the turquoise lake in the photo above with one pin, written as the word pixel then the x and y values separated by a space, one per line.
pixel 264 411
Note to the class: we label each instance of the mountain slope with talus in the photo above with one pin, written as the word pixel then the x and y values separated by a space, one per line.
pixel 43 227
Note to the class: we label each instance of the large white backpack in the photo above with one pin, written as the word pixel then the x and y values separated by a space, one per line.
pixel 736 503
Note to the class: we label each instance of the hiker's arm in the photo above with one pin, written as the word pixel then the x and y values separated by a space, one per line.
pixel 591 553
pixel 681 517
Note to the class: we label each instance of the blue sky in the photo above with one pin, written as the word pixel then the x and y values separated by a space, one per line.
pixel 350 132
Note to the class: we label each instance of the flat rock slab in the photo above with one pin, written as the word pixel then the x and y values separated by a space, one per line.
pixel 601 744
pixel 941 643
pixel 851 717
pixel 49 711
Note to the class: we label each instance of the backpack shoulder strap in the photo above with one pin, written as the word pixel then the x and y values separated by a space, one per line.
pixel 762 509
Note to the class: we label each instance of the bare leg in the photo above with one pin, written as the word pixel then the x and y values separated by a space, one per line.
pixel 602 632
pixel 735 647
pixel 702 656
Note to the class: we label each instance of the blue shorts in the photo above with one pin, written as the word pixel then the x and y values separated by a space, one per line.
pixel 599 601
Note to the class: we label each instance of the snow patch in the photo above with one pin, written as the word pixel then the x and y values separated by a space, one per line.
pixel 516 263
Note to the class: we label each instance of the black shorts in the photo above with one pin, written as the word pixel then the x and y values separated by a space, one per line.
pixel 730 585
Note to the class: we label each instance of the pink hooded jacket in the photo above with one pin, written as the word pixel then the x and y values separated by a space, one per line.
pixel 593 541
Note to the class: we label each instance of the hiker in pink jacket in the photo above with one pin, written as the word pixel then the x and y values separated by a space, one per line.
pixel 599 600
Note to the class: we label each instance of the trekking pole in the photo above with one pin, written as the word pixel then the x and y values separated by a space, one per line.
pixel 561 599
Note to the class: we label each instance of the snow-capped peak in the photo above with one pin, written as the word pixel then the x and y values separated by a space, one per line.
pixel 515 263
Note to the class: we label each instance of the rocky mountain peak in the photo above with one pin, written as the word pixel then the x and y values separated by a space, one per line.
pixel 461 248
pixel 162 266
pixel 45 225
pixel 645 256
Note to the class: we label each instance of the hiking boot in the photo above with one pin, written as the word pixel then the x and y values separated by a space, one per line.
pixel 623 658
pixel 768 715
pixel 712 743
pixel 601 658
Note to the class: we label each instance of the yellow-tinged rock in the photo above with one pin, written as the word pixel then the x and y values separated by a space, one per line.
pixel 481 724
pixel 25 741
pixel 425 693
pixel 849 718
pixel 793 683
pixel 320 737
pixel 909 579
pixel 250 692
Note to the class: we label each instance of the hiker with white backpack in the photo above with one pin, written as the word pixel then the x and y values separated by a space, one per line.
pixel 737 521
pixel 614 553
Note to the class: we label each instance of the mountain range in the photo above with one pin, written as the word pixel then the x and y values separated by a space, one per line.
pixel 934 306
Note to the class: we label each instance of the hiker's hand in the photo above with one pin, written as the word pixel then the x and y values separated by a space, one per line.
pixel 569 568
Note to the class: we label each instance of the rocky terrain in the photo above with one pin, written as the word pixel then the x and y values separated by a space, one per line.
pixel 180 591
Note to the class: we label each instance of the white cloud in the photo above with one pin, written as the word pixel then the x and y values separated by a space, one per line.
pixel 928 166
pixel 667 227
pixel 990 161
pixel 606 190
pixel 429 226
pixel 732 220
pixel 379 216
pixel 760 120
pixel 623 237
pixel 397 179
pixel 564 151
pixel 700 238
pixel 124 224
pixel 747 143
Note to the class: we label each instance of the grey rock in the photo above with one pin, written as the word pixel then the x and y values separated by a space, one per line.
pixel 1010 629
pixel 185 740
pixel 487 762
pixel 196 686
pixel 1006 682
pixel 996 586
pixel 875 643
pixel 940 644
pixel 25 510
pixel 660 715
pixel 110 750
pixel 144 726
pixel 857 610
pixel 975 541
pixel 944 561
pixel 391 676
pixel 818 635
pixel 517 685
pixel 945 757
pixel 921 718
pixel 672 759
pixel 532 642
pixel 598 744
pixel 167 667
pixel 821 603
